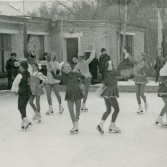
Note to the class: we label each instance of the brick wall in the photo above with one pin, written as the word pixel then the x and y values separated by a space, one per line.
pixel 103 34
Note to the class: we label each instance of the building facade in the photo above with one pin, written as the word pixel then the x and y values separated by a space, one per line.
pixel 67 38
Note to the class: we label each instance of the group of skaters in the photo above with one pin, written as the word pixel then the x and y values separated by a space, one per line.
pixel 31 81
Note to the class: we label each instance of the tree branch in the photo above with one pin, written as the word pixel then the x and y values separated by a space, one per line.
pixel 65 6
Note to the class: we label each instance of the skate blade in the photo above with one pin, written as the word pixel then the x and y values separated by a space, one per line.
pixel 113 131
pixel 74 133
pixel 140 113
pixel 99 130
pixel 160 125
pixel 28 127
pixel 84 110
pixel 49 113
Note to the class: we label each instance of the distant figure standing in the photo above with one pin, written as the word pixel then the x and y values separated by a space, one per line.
pixel 12 67
pixel 104 57
pixel 74 62
pixel 93 68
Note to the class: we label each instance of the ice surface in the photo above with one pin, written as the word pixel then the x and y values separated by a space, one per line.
pixel 141 143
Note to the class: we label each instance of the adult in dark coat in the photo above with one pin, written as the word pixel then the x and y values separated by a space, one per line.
pixel 104 58
pixel 12 69
pixel 93 68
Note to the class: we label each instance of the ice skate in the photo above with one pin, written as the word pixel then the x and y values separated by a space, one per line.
pixel 84 109
pixel 114 129
pixel 160 122
pixel 100 129
pixel 38 117
pixel 74 130
pixel 61 109
pixel 140 110
pixel 49 112
pixel 27 124
pixel 22 124
pixel 146 106
pixel 34 118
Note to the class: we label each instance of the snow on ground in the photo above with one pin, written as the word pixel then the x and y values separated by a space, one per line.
pixel 141 143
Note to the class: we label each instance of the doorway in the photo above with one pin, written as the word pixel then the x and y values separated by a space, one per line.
pixel 72 48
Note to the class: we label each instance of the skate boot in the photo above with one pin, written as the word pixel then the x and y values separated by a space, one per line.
pixel 50 111
pixel 38 117
pixel 84 109
pixel 34 118
pixel 27 123
pixel 100 129
pixel 160 122
pixel 61 109
pixel 22 124
pixel 113 129
pixel 146 106
pixel 140 110
pixel 74 130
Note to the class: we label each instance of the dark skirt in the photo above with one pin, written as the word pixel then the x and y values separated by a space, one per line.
pixel 140 79
pixel 162 90
pixel 74 94
pixel 110 92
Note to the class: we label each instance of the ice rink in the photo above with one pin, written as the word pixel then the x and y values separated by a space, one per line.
pixel 141 143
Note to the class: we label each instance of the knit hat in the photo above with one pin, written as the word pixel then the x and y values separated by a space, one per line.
pixel 103 49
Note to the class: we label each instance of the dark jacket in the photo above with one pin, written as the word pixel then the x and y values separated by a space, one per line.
pixel 102 62
pixel 73 90
pixel 11 69
pixel 24 85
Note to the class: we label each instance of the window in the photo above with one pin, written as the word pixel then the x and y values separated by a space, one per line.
pixel 5 50
pixel 128 44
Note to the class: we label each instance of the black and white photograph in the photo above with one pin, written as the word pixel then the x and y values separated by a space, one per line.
pixel 83 83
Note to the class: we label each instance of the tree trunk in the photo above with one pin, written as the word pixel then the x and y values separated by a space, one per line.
pixel 25 39
pixel 124 27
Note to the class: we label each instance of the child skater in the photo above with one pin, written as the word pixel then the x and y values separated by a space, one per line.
pixel 21 85
pixel 74 93
pixel 83 67
pixel 162 92
pixel 36 90
pixel 140 67
pixel 110 94
pixel 52 83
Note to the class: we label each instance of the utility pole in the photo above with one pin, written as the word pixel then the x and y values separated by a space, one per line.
pixel 124 25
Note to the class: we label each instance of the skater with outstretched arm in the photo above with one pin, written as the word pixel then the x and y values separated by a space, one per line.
pixel 83 67
pixel 140 67
pixel 110 94
pixel 74 94
pixel 21 85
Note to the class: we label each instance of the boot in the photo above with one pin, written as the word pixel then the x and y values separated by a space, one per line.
pixel 83 108
pixel 38 117
pixel 22 124
pixel 50 111
pixel 146 106
pixel 74 130
pixel 113 128
pixel 27 123
pixel 34 118
pixel 61 109
pixel 160 121
pixel 140 110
